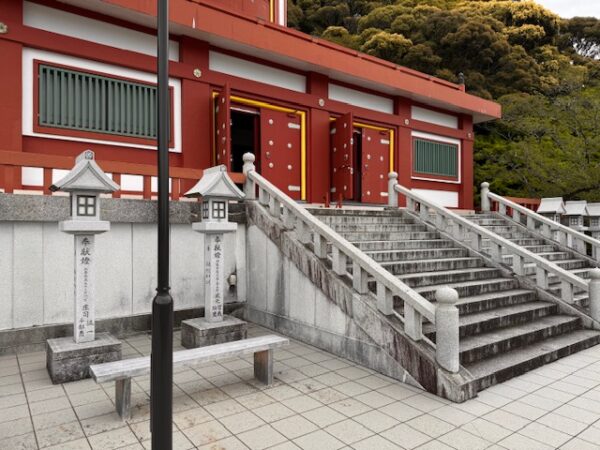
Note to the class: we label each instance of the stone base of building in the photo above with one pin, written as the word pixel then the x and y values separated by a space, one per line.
pixel 200 332
pixel 68 361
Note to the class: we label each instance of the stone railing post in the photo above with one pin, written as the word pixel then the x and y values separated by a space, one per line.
pixel 249 188
pixel 447 332
pixel 485 200
pixel 594 293
pixel 392 194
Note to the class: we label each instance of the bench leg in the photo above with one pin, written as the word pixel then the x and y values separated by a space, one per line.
pixel 263 366
pixel 123 397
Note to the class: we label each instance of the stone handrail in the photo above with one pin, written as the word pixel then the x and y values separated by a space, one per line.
pixel 565 235
pixel 309 229
pixel 473 234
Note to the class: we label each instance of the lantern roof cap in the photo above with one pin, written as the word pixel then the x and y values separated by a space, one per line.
pixel 86 175
pixel 576 208
pixel 216 183
pixel 551 205
pixel 593 209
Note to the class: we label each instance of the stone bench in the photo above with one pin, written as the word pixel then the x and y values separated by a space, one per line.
pixel 122 371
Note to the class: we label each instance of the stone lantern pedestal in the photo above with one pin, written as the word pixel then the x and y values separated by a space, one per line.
pixel 216 189
pixel 68 358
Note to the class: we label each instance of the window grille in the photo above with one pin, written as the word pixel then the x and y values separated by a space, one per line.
pixel 435 158
pixel 80 101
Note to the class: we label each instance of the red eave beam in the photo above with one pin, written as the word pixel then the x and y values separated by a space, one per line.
pixel 290 44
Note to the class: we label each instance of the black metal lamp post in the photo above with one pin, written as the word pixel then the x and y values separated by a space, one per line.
pixel 161 382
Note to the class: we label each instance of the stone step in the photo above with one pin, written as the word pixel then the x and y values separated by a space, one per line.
pixel 513 363
pixel 431 265
pixel 394 236
pixel 504 228
pixel 365 220
pixel 514 235
pixel 554 281
pixel 420 281
pixel 540 248
pixel 506 316
pixel 472 288
pixel 378 228
pixel 354 212
pixel 487 345
pixel 416 254
pixel 567 264
pixel 493 319
pixel 519 241
pixel 490 300
pixel 484 302
pixel 550 256
pixel 391 245
pixel 485 222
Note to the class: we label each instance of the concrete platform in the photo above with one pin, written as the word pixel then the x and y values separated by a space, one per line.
pixel 200 332
pixel 318 401
pixel 69 361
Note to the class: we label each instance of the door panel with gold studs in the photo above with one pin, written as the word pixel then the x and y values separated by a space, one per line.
pixel 375 165
pixel 280 157
pixel 342 158
pixel 223 128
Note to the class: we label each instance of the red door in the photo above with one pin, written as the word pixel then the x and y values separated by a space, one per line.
pixel 342 158
pixel 223 128
pixel 375 165
pixel 280 155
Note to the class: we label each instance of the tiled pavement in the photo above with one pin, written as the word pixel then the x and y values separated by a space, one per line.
pixel 319 402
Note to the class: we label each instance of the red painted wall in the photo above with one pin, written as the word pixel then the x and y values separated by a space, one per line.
pixel 196 108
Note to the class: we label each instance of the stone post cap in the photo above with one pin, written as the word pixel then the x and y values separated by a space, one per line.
pixel 248 157
pixel 595 274
pixel 446 295
pixel 485 185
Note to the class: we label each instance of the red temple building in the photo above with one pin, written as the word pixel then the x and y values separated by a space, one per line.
pixel 321 119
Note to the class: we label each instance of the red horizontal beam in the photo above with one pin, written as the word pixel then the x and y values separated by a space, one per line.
pixel 20 159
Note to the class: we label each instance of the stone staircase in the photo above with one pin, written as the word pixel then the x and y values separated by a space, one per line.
pixel 567 259
pixel 505 329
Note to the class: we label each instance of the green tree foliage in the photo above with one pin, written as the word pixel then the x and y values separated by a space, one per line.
pixel 544 70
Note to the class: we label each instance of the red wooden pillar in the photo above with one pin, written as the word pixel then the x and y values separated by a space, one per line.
pixel 196 108
pixel 11 14
pixel 403 157
pixel 466 187
pixel 318 158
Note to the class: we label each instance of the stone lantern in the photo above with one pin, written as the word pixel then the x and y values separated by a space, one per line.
pixel 68 358
pixel 575 211
pixel 215 189
pixel 552 208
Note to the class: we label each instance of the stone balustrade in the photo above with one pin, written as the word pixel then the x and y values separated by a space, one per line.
pixel 473 235
pixel 550 229
pixel 310 230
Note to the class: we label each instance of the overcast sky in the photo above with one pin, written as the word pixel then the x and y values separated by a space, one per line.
pixel 571 8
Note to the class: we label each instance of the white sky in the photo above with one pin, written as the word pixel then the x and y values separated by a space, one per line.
pixel 571 8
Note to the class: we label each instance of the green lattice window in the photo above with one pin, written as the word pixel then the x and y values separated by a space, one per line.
pixel 435 158
pixel 81 101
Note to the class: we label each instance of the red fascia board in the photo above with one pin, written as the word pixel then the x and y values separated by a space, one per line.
pixel 317 52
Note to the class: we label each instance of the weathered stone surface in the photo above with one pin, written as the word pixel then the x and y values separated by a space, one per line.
pixel 44 208
pixel 200 332
pixel 34 339
pixel 69 361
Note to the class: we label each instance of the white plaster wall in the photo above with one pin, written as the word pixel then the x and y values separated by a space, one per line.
pixel 37 267
pixel 69 24
pixel 361 99
pixel 220 62
pixel 443 198
pixel 437 118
